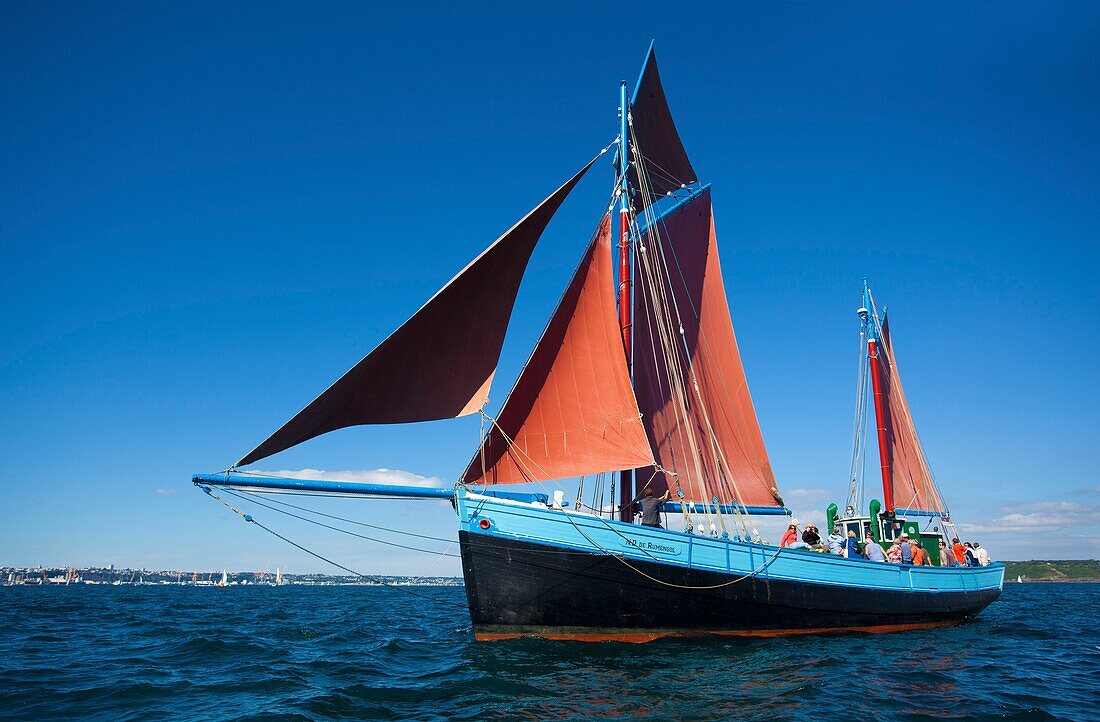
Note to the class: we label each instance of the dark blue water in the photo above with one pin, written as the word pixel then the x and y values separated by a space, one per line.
pixel 117 653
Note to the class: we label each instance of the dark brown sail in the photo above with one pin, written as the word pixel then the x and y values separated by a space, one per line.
pixel 665 159
pixel 439 364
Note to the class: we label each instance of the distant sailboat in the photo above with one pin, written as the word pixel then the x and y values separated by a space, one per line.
pixel 1019 579
pixel 651 387
pixel 223 581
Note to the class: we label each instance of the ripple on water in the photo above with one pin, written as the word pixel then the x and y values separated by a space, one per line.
pixel 299 653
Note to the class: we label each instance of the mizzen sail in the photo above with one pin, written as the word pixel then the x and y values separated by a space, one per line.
pixel 690 383
pixel 911 477
pixel 440 363
pixel 572 411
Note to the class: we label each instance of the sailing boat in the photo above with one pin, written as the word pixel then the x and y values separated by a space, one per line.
pixel 638 377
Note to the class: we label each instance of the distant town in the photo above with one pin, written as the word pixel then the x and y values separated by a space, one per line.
pixel 110 576
pixel 1082 570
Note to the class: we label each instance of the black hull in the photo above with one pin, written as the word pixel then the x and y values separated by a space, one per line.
pixel 519 588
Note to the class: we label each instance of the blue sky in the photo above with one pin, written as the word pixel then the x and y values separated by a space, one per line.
pixel 208 213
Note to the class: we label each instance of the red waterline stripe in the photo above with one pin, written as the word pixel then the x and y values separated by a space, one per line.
pixel 641 637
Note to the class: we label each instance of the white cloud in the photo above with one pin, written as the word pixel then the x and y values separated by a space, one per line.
pixel 165 492
pixel 364 476
pixel 1047 506
pixel 1074 519
pixel 806 496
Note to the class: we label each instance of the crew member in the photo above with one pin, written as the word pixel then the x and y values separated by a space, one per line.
pixel 651 507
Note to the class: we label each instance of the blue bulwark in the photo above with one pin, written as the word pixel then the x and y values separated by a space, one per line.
pixel 517 496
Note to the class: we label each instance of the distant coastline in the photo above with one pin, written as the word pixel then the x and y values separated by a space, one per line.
pixel 1041 570
pixel 111 576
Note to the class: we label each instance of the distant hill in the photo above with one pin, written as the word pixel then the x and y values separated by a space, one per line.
pixel 1054 570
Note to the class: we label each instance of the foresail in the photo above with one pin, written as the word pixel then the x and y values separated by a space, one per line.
pixel 572 411
pixel 911 477
pixel 439 364
pixel 690 383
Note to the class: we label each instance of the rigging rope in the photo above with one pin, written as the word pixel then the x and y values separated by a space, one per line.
pixel 373 578
pixel 333 528
pixel 253 495
pixel 669 345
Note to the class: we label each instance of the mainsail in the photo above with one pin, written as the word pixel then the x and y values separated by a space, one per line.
pixel 440 363
pixel 914 489
pixel 690 383
pixel 572 411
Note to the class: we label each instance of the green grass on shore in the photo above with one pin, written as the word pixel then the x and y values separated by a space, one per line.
pixel 1054 570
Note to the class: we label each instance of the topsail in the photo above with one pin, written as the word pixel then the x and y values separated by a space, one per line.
pixel 664 158
pixel 440 363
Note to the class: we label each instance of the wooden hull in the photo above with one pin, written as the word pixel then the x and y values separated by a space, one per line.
pixel 517 588
pixel 558 590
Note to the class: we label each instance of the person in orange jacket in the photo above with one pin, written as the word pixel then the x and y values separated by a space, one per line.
pixel 920 557
pixel 959 551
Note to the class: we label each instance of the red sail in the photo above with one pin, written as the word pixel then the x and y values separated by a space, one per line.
pixel 438 364
pixel 913 485
pixel 666 161
pixel 572 411
pixel 690 383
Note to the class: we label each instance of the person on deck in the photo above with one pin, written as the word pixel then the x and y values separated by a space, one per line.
pixel 981 554
pixel 651 507
pixel 872 550
pixel 790 536
pixel 968 553
pixel 920 557
pixel 905 550
pixel 852 548
pixel 959 551
pixel 836 542
pixel 893 554
pixel 947 559
pixel 811 537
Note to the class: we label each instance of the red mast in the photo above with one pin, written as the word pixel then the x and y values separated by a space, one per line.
pixel 626 477
pixel 880 419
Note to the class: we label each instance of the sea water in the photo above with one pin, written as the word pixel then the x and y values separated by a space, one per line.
pixel 319 653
